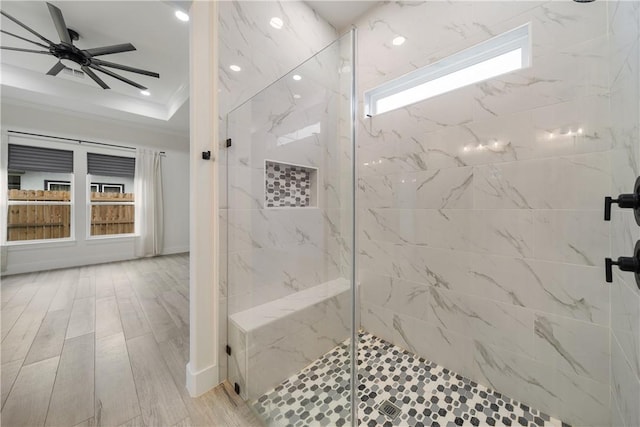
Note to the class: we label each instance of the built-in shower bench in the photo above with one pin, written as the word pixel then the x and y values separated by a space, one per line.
pixel 273 341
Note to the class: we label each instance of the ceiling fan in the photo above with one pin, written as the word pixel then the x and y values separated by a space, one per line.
pixel 70 56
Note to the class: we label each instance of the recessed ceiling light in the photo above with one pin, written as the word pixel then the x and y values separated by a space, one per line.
pixel 276 23
pixel 398 41
pixel 297 77
pixel 145 92
pixel 235 67
pixel 296 96
pixel 182 16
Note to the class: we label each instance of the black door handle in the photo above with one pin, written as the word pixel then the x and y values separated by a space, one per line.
pixel 627 201
pixel 631 264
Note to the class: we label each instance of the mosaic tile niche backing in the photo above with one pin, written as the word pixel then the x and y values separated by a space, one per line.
pixel 427 394
pixel 287 185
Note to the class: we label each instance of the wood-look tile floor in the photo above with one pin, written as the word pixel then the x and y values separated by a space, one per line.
pixel 105 345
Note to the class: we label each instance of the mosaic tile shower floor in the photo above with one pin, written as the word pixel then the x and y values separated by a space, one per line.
pixel 425 393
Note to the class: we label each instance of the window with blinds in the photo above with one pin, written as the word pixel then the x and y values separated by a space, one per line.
pixel 111 202
pixel 39 193
pixel 106 165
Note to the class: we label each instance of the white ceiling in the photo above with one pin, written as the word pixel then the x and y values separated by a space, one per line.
pixel 162 44
pixel 340 13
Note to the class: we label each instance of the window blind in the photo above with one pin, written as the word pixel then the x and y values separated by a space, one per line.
pixel 103 164
pixel 27 158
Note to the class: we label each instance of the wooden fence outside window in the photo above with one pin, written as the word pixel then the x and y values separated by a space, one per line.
pixel 47 214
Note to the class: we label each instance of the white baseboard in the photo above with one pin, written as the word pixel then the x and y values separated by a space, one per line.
pixel 175 250
pixel 202 381
pixel 31 267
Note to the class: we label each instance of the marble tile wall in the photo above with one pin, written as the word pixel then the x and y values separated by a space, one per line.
pixel 265 54
pixel 278 339
pixel 481 239
pixel 624 22
pixel 274 252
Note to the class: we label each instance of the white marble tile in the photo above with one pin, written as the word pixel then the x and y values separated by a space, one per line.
pixel 272 341
pixel 377 320
pixel 375 256
pixel 499 324
pixel 452 22
pixel 625 323
pixel 562 24
pixel 441 268
pixel 262 275
pixel 444 188
pixel 513 374
pixel 259 316
pixel 245 25
pixel 381 224
pixel 625 386
pixel 580 125
pixel 434 343
pixel 616 416
pixel 446 229
pixel 569 290
pixel 274 228
pixel 574 399
pixel 375 191
pixel 561 236
pixel 573 346
pixel 624 25
pixel 626 166
pixel 502 232
pixel 576 182
pixel 269 365
pixel 557 76
pixel 399 296
pixel 246 188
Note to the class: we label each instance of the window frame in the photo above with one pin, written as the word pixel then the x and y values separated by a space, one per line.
pixel 4 193
pixel 79 235
pixel 510 41
pixel 91 181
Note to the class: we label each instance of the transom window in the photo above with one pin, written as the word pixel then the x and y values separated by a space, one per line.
pixel 502 54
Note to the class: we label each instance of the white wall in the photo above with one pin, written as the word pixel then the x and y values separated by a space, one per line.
pixel 175 169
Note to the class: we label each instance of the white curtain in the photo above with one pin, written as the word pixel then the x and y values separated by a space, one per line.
pixel 148 196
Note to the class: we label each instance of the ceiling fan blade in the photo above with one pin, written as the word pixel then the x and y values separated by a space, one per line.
pixel 107 50
pixel 117 76
pixel 22 38
pixel 95 78
pixel 44 39
pixel 58 20
pixel 59 66
pixel 125 68
pixel 18 49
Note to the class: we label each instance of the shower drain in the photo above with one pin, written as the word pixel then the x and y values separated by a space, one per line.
pixel 389 410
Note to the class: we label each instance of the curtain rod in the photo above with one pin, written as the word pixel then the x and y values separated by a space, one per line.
pixel 79 141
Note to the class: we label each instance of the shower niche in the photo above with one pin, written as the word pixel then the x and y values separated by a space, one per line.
pixel 289 186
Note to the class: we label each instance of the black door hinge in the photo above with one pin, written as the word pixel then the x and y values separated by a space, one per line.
pixel 228 351
pixel 236 388
pixel 228 142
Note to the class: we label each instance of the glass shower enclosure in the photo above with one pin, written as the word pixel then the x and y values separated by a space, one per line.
pixel 482 296
pixel 290 234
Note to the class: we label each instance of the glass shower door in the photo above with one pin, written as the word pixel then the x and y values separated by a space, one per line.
pixel 290 234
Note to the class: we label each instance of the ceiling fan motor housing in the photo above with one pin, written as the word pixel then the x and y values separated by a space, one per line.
pixel 71 53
